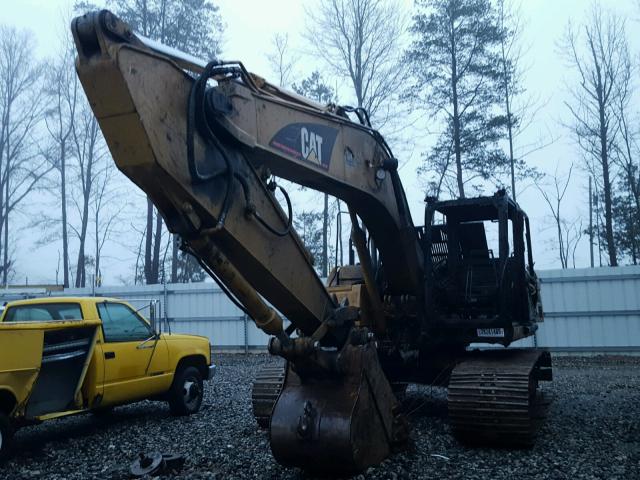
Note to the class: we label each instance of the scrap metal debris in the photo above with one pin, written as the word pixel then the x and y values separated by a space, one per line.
pixel 155 463
pixel 437 455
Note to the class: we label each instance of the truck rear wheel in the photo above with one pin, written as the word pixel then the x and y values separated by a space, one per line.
pixel 185 396
pixel 6 434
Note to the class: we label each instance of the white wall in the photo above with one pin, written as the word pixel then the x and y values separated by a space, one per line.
pixel 585 310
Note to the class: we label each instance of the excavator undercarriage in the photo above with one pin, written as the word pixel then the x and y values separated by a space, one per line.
pixel 207 141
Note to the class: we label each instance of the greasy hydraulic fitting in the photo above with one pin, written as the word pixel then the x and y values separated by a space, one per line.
pixel 308 357
pixel 292 348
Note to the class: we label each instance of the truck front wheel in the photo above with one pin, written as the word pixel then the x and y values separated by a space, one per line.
pixel 6 433
pixel 185 396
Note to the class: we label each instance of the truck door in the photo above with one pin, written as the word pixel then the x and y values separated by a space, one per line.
pixel 136 360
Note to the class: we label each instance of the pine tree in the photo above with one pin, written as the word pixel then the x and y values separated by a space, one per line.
pixel 456 67
pixel 315 88
pixel 309 227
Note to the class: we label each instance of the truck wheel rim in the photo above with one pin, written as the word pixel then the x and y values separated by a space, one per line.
pixel 191 392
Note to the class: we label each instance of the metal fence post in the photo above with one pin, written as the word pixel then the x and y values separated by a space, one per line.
pixel 246 334
pixel 165 298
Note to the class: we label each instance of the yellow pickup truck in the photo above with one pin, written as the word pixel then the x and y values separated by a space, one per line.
pixel 65 355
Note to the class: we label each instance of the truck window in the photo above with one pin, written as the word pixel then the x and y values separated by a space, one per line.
pixel 121 324
pixel 44 312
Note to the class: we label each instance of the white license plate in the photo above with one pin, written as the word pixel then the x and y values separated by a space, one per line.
pixel 491 332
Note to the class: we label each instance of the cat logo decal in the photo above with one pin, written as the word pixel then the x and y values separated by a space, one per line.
pixel 306 141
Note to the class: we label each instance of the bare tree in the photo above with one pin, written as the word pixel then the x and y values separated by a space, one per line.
pixel 574 232
pixel 84 178
pixel 194 26
pixel 520 108
pixel 89 150
pixel 599 53
pixel 360 40
pixel 280 59
pixel 22 165
pixel 568 232
pixel 62 100
pixel 174 258
pixel 105 216
pixel 137 274
pixel 510 56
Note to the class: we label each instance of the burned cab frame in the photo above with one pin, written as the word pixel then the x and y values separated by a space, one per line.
pixel 493 297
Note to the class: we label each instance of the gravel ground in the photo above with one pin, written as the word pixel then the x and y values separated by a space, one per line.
pixel 592 430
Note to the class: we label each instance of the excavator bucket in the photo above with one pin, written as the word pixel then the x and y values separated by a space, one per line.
pixel 337 423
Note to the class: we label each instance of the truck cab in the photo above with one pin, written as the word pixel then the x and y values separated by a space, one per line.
pixel 65 355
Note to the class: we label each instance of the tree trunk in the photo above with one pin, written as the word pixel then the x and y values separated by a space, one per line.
pixel 507 101
pixel 5 247
pixel 65 236
pixel 174 259
pixel 81 273
pixel 81 265
pixel 155 262
pixel 604 159
pixel 2 213
pixel 6 204
pixel 148 243
pixel 4 131
pixel 325 225
pixel 563 258
pixel 456 112
pixel 509 128
pixel 97 279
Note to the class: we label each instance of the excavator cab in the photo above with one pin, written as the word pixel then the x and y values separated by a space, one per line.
pixel 480 282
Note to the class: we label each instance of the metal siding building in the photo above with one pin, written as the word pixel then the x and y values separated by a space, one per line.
pixel 591 309
pixel 585 310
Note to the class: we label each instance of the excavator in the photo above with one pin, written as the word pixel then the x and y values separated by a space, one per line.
pixel 208 141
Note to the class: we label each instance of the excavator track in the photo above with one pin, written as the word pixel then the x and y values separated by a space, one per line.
pixel 493 399
pixel 266 389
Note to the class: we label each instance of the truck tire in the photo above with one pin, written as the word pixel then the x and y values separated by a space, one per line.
pixel 185 396
pixel 6 435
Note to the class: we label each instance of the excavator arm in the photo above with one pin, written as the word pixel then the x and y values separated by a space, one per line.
pixel 214 186
pixel 203 142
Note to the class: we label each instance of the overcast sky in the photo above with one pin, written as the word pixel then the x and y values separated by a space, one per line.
pixel 250 26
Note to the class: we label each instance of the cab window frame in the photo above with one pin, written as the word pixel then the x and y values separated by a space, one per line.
pixel 106 336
